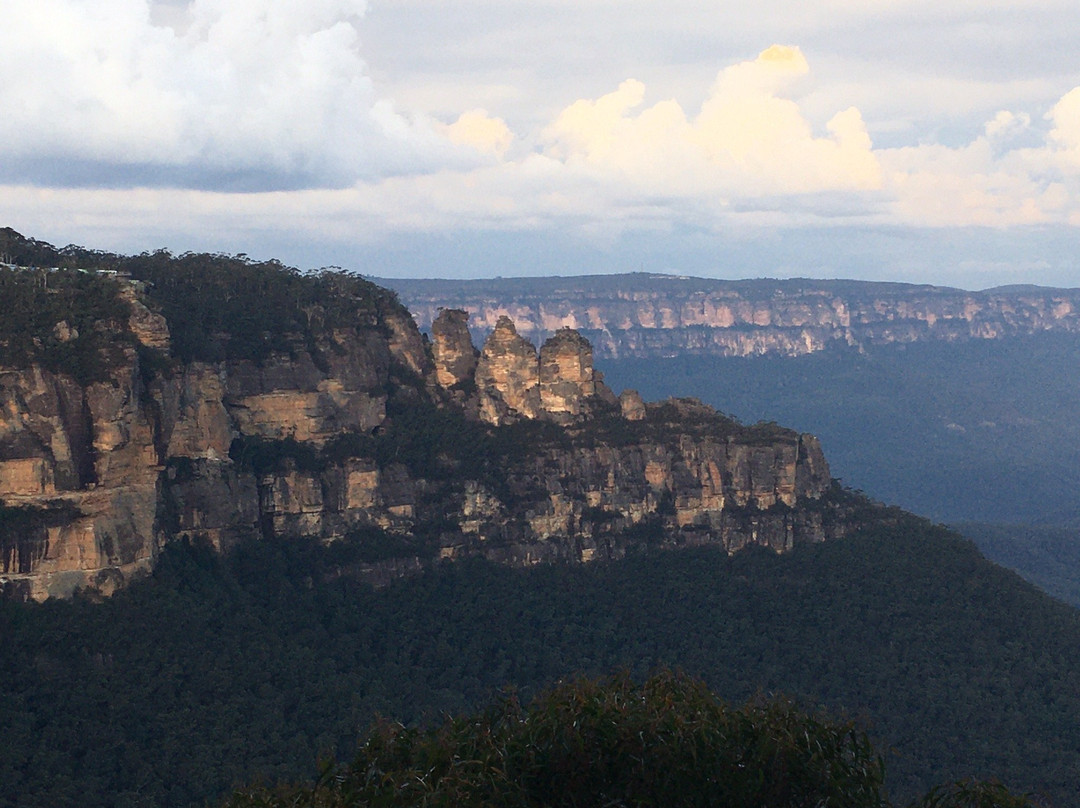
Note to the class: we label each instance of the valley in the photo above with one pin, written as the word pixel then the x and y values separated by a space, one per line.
pixel 237 528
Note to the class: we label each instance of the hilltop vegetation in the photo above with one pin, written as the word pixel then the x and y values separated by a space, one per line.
pixel 217 306
pixel 69 321
pixel 228 307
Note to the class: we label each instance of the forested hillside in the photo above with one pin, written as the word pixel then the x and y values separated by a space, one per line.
pixel 287 440
pixel 220 669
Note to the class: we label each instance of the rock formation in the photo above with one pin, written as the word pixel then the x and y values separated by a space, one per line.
pixel 357 428
pixel 508 376
pixel 452 348
pixel 643 315
pixel 513 382
pixel 567 378
pixel 631 405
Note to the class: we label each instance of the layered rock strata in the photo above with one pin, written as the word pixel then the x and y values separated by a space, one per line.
pixel 644 315
pixel 96 478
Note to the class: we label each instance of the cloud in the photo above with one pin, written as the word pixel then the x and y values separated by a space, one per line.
pixel 480 131
pixel 1012 174
pixel 235 93
pixel 1006 126
pixel 746 140
pixel 1065 135
pixel 258 119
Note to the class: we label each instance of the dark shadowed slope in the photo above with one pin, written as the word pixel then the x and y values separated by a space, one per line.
pixel 219 670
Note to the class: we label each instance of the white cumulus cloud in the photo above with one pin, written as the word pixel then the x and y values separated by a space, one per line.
pixel 271 93
pixel 746 140
pixel 480 131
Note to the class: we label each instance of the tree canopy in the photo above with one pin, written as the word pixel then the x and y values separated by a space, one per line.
pixel 666 743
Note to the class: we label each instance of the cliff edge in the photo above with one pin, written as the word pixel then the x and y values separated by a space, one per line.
pixel 652 315
pixel 212 399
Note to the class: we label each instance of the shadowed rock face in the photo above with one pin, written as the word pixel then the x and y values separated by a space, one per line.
pixel 95 478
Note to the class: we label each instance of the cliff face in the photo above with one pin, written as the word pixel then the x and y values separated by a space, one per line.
pixel 361 434
pixel 513 382
pixel 95 478
pixel 508 376
pixel 657 315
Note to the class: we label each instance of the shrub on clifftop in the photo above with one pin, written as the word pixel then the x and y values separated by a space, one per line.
pixel 667 742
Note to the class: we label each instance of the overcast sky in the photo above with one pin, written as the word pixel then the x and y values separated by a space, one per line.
pixel 916 140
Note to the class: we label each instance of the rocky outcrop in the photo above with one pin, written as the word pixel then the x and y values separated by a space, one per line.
pixel 95 478
pixel 78 480
pixel 359 434
pixel 514 382
pixel 452 349
pixel 631 405
pixel 567 378
pixel 508 376
pixel 643 315
pixel 595 501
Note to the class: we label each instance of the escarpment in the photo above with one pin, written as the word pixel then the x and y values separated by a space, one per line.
pixel 646 315
pixel 342 425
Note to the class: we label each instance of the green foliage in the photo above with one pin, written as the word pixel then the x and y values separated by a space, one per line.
pixel 367 544
pixel 667 742
pixel 266 455
pixel 667 421
pixel 36 302
pixel 1046 555
pixel 230 307
pixel 217 306
pixel 28 252
pixel 221 670
pixel 973 794
pixel 17 518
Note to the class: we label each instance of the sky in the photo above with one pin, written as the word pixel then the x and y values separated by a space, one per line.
pixel 907 140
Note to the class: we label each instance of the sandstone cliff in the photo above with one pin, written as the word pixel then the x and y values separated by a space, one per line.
pixel 641 315
pixel 348 428
pixel 512 381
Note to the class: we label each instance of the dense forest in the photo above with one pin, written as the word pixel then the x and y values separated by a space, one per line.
pixel 220 670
